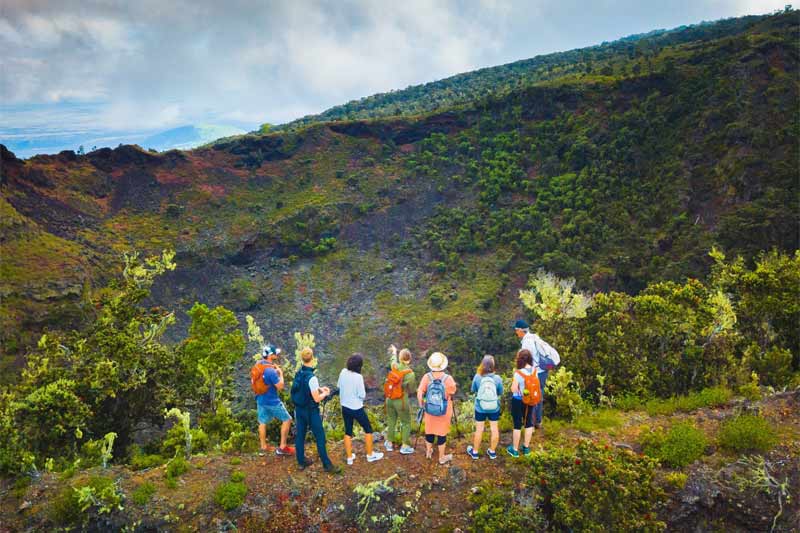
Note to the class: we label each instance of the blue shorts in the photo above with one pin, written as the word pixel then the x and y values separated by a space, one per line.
pixel 267 413
pixel 492 417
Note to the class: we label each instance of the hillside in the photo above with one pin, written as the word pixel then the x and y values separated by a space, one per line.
pixel 424 228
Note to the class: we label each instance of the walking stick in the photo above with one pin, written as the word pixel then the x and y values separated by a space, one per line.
pixel 419 429
pixel 455 416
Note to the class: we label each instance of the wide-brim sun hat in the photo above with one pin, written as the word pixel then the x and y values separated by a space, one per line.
pixel 437 361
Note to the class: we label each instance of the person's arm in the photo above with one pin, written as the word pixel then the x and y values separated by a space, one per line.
pixel 318 393
pixel 280 383
pixel 362 391
pixel 423 385
pixel 514 384
pixel 450 386
pixel 499 381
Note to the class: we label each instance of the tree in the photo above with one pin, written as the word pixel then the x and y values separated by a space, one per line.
pixel 215 342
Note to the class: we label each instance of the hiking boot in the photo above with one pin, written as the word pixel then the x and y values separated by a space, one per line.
pixel 374 456
pixel 388 445
pixel 351 458
pixel 333 469
pixel 406 450
pixel 492 454
pixel 264 451
pixel 472 453
pixel 525 450
pixel 512 452
pixel 305 464
pixel 446 459
pixel 286 450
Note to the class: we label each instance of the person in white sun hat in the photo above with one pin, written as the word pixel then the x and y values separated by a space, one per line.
pixel 435 395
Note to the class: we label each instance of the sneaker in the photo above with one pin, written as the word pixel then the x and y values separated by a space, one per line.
pixel 525 450
pixel 492 454
pixel 406 450
pixel 388 445
pixel 333 469
pixel 472 453
pixel 351 458
pixel 374 456
pixel 512 452
pixel 264 451
pixel 446 459
pixel 286 450
pixel 306 464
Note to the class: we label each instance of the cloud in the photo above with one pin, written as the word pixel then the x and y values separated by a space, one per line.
pixel 152 64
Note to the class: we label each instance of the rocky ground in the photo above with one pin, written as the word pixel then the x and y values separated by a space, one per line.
pixel 425 495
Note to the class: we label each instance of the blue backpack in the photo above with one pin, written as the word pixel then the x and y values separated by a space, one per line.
pixel 436 397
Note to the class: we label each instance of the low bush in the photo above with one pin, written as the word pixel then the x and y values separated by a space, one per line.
pixel 176 467
pixel 230 495
pixel 711 397
pixel 143 493
pixel 74 503
pixel 142 461
pixel 747 433
pixel 241 441
pixel 496 510
pixel 628 402
pixel 682 445
pixel 175 441
pixel 237 476
pixel 597 488
pixel 601 419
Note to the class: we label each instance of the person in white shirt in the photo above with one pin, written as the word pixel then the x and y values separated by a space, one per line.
pixel 545 359
pixel 352 394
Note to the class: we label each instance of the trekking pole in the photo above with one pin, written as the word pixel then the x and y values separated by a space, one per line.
pixel 419 429
pixel 455 416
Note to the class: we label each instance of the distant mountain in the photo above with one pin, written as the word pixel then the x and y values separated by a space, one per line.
pixel 186 137
pixel 34 142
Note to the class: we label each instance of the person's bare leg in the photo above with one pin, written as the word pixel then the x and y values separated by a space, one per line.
pixel 428 449
pixel 476 440
pixel 348 447
pixel 285 432
pixel 442 452
pixel 528 435
pixel 262 435
pixel 515 438
pixel 368 443
pixel 495 438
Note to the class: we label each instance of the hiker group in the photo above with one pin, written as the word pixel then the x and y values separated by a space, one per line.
pixel 434 395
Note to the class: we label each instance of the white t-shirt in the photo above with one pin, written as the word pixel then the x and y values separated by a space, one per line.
pixel 351 389
pixel 313 383
pixel 534 344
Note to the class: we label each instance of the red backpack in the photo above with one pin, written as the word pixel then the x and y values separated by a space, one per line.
pixel 257 378
pixel 532 394
pixel 393 386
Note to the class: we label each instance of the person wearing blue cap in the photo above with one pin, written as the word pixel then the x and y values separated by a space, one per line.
pixel 545 359
pixel 266 379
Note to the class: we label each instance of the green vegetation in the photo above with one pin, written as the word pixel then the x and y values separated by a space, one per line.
pixel 230 494
pixel 496 510
pixel 143 493
pixel 74 504
pixel 747 433
pixel 682 445
pixel 596 488
pixel 711 397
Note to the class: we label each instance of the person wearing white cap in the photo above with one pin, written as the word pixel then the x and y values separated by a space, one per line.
pixel 435 395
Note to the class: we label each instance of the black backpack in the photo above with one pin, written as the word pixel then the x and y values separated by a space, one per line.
pixel 301 393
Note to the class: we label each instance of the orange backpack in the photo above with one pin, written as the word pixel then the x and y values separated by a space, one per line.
pixel 532 394
pixel 393 387
pixel 257 378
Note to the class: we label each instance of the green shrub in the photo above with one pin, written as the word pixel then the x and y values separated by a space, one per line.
pixel 235 461
pixel 676 480
pixel 600 419
pixel 142 461
pixel 143 493
pixel 237 476
pixel 747 433
pixel 711 397
pixel 240 441
pixel 73 503
pixel 496 510
pixel 65 509
pixel 628 402
pixel 176 467
pixel 175 441
pixel 230 495
pixel 597 488
pixel 219 425
pixel 682 445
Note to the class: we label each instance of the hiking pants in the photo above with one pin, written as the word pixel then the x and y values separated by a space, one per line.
pixel 305 419
pixel 398 412
pixel 538 411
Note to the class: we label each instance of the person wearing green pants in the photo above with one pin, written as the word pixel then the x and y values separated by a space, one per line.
pixel 398 409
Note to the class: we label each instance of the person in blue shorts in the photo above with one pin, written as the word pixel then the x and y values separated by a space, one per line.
pixel 269 404
pixel 488 389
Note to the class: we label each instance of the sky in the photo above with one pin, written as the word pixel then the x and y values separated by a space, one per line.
pixel 146 65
